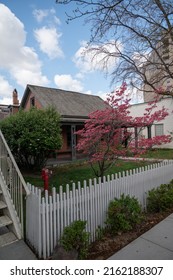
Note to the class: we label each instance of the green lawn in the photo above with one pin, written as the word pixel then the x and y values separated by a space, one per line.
pixel 79 171
pixel 160 154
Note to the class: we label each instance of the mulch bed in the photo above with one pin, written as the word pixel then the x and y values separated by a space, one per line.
pixel 109 244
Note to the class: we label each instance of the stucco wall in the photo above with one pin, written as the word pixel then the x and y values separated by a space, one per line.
pixel 139 109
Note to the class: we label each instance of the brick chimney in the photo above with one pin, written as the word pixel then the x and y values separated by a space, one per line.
pixel 15 98
pixel 14 108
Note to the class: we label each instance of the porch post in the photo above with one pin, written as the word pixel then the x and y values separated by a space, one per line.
pixel 73 141
pixel 136 137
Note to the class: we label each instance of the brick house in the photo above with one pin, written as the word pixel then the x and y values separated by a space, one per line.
pixel 4 111
pixel 73 107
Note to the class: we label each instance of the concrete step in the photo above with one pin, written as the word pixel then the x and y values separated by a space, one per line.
pixel 2 205
pixel 7 238
pixel 5 221
pixel 17 251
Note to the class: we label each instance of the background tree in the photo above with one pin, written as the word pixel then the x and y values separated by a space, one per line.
pixel 113 132
pixel 32 136
pixel 139 34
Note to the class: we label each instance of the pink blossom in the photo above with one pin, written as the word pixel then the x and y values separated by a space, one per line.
pixel 109 133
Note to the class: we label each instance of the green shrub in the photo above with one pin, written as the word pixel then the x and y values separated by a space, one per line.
pixel 32 135
pixel 123 214
pixel 161 198
pixel 100 233
pixel 75 237
pixel 171 183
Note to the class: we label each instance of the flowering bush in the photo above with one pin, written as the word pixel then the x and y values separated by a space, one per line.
pixel 113 132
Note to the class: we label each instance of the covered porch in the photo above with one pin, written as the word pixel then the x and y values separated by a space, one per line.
pixel 69 127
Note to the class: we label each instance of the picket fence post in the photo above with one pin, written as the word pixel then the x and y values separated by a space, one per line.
pixel 48 215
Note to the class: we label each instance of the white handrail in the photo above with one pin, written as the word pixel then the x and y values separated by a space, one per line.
pixel 14 163
pixel 13 180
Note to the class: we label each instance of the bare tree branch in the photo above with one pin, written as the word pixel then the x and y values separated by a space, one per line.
pixel 144 29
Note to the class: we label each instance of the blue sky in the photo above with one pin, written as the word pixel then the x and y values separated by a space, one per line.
pixel 38 47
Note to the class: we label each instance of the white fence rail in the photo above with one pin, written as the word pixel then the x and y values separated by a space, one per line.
pixel 47 216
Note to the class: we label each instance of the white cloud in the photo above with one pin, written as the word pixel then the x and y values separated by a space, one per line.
pixel 102 94
pixel 88 92
pixel 66 82
pixel 96 57
pixel 40 15
pixel 56 20
pixel 48 39
pixel 140 58
pixel 5 88
pixel 20 61
pixel 80 76
pixel 24 77
pixel 6 101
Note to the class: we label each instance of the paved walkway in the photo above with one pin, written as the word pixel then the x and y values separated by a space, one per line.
pixel 16 251
pixel 155 244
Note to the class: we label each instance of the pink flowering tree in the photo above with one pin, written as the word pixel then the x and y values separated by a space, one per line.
pixel 111 133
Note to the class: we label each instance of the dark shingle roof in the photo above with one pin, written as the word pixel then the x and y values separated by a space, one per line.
pixel 67 103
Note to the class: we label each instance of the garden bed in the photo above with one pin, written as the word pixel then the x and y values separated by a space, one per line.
pixel 109 244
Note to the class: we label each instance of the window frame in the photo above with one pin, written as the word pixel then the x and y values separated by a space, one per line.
pixel 159 132
pixel 32 101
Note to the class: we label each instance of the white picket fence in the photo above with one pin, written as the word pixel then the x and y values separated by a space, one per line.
pixel 47 216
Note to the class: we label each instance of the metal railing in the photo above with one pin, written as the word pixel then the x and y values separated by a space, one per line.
pixel 13 179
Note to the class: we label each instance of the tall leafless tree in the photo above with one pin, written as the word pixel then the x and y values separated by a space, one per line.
pixel 141 34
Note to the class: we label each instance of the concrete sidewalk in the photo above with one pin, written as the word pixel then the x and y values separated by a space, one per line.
pixel 155 244
pixel 17 250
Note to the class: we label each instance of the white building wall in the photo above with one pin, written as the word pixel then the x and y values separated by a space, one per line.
pixel 155 68
pixel 138 110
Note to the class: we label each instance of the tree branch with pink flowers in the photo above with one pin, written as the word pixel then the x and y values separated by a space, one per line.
pixel 112 133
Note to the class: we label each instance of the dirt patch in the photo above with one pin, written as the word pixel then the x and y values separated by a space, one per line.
pixel 109 244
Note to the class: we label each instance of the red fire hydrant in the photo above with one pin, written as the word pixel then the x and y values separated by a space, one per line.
pixel 45 176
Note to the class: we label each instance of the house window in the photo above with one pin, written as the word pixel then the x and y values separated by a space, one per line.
pixel 166 57
pixel 149 131
pixel 165 42
pixel 165 49
pixel 32 101
pixel 159 129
